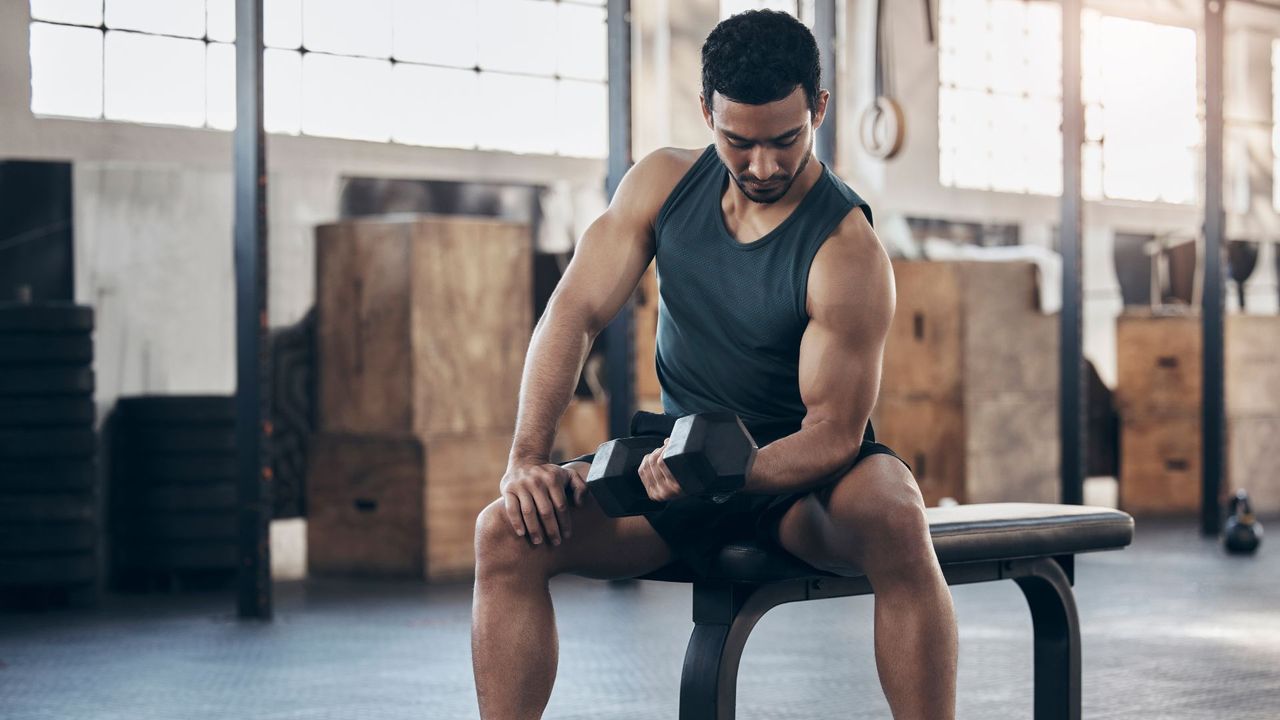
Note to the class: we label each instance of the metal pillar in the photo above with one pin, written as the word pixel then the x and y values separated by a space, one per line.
pixel 1212 307
pixel 825 32
pixel 1071 416
pixel 619 340
pixel 252 435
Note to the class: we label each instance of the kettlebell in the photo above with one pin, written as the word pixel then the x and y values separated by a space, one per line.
pixel 1243 533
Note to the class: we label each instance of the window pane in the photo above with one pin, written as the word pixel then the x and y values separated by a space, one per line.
pixel 282 23
pixel 171 17
pixel 434 106
pixel 582 119
pixel 519 36
pixel 220 84
pixel 157 79
pixel 346 97
pixel 66 71
pixel 435 32
pixel 583 42
pixel 76 12
pixel 282 91
pixel 348 28
pixel 533 130
pixel 1149 119
pixel 221 19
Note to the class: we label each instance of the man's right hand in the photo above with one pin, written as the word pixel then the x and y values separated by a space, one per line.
pixel 535 500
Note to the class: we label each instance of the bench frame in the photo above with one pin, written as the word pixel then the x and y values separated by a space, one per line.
pixel 725 612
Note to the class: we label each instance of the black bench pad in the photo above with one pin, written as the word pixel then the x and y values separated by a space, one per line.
pixel 961 533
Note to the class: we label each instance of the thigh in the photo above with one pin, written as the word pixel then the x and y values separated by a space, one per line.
pixel 604 547
pixel 827 529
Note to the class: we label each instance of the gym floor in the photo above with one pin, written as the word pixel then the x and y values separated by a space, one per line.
pixel 1172 628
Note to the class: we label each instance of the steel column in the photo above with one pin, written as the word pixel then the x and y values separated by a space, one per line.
pixel 618 337
pixel 1071 416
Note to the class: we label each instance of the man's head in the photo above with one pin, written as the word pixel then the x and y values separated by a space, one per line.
pixel 762 100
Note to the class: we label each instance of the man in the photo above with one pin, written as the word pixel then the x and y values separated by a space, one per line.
pixel 775 302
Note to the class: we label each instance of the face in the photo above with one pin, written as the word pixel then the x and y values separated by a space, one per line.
pixel 765 147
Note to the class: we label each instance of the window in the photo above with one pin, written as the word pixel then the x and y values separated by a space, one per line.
pixel 1275 124
pixel 1000 102
pixel 404 71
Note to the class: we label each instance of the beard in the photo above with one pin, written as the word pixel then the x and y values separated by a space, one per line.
pixel 773 194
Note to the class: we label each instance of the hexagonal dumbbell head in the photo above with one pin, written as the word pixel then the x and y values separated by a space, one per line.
pixel 614 479
pixel 710 453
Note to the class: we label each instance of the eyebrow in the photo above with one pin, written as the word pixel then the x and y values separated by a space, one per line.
pixel 738 138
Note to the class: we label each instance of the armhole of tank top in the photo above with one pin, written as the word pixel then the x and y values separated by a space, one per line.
pixel 806 262
pixel 679 191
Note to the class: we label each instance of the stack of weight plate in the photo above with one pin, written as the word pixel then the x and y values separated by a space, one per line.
pixel 49 531
pixel 173 493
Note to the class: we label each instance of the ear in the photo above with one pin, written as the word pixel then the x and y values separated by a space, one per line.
pixel 706 111
pixel 820 112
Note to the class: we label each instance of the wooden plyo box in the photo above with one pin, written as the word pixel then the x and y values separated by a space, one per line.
pixel 398 506
pixel 423 324
pixel 1159 392
pixel 968 394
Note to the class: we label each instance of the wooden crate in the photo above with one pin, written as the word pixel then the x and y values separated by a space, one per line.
pixel 1160 399
pixel 423 324
pixel 385 506
pixel 1160 464
pixel 970 382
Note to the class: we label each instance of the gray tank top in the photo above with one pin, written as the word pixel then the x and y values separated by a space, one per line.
pixel 730 314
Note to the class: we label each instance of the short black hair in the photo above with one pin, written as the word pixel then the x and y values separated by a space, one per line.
pixel 760 56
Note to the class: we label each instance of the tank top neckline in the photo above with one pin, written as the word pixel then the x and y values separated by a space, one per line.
pixel 781 227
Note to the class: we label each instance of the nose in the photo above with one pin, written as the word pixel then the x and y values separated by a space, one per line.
pixel 763 165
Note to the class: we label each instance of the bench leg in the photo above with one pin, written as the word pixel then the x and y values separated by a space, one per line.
pixel 724 615
pixel 1057 640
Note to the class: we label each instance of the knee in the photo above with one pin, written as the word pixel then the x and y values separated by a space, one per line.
pixel 889 511
pixel 499 551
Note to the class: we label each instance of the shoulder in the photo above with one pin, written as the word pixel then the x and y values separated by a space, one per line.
pixel 852 271
pixel 647 184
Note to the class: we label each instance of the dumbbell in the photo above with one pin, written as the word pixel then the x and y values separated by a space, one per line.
pixel 710 455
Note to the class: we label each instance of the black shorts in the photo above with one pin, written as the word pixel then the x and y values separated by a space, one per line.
pixel 696 528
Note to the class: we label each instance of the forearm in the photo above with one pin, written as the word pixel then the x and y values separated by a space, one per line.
pixel 552 366
pixel 805 459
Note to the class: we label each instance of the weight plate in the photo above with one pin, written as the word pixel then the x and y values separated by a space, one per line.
pixel 148 469
pixel 62 537
pixel 46 410
pixel 178 440
pixel 139 524
pixel 175 556
pixel 48 442
pixel 27 381
pixel 47 475
pixel 48 569
pixel 46 317
pixel 20 509
pixel 45 349
pixel 168 409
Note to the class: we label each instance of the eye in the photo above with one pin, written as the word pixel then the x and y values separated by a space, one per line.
pixel 740 146
pixel 788 143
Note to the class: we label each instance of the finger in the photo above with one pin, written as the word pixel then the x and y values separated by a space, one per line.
pixel 547 514
pixel 511 506
pixel 578 483
pixel 650 478
pixel 669 482
pixel 555 488
pixel 529 514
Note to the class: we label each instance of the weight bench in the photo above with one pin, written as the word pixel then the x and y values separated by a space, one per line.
pixel 1032 544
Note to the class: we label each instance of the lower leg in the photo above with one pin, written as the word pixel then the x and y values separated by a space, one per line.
pixel 514 648
pixel 916 644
